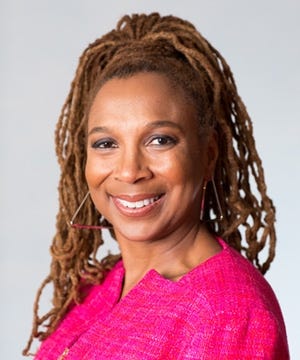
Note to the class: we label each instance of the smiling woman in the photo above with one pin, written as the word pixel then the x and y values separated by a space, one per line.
pixel 145 152
pixel 154 138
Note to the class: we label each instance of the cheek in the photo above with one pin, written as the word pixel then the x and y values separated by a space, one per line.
pixel 95 171
pixel 90 174
pixel 182 169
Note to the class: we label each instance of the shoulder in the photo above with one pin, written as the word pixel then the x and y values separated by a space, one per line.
pixel 238 306
pixel 229 280
pixel 98 300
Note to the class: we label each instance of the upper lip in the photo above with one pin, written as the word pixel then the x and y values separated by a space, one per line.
pixel 136 197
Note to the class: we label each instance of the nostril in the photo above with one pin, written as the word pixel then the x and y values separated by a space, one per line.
pixel 133 174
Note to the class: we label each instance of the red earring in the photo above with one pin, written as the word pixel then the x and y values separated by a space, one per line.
pixel 104 224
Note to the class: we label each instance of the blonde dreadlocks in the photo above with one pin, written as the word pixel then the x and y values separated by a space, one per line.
pixel 175 48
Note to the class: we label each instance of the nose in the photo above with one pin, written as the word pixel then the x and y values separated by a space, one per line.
pixel 132 167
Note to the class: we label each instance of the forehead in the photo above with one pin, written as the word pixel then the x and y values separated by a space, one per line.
pixel 149 87
pixel 145 88
pixel 144 96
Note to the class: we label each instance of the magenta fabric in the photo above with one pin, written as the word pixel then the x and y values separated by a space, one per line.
pixel 222 309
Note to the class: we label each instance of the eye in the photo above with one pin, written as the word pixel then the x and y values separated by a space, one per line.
pixel 104 144
pixel 162 140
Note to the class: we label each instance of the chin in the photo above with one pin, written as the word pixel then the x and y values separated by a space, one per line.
pixel 137 232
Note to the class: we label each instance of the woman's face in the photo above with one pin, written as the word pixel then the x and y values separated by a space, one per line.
pixel 146 161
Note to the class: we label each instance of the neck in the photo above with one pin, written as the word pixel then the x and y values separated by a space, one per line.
pixel 172 257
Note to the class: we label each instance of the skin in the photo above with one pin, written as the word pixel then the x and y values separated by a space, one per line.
pixel 144 151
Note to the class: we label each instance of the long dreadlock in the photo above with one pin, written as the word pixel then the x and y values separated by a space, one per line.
pixel 174 47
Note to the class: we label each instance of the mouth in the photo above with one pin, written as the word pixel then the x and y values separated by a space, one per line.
pixel 138 205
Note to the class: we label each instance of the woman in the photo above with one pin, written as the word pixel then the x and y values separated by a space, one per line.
pixel 154 140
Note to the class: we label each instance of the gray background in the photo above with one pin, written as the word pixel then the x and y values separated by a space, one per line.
pixel 40 42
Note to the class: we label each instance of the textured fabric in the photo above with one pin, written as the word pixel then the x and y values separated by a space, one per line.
pixel 222 309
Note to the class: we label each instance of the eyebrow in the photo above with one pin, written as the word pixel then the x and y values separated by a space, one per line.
pixel 98 129
pixel 154 124
pixel 164 123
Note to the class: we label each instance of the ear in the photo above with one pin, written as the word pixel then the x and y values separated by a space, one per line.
pixel 212 153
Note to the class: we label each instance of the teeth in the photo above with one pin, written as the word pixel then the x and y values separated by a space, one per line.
pixel 147 202
pixel 138 204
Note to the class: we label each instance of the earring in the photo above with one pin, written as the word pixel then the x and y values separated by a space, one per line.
pixel 217 200
pixel 104 224
pixel 203 200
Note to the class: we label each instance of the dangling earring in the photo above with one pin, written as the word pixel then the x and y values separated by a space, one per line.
pixel 217 200
pixel 104 224
pixel 203 200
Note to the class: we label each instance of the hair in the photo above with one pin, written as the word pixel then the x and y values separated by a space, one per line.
pixel 173 47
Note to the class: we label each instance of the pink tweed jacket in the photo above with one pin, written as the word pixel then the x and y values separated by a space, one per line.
pixel 222 309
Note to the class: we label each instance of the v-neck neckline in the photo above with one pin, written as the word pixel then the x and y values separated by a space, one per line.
pixel 156 282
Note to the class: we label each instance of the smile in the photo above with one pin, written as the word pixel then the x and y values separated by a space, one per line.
pixel 138 204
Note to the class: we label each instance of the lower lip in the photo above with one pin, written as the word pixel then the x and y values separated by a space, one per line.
pixel 137 212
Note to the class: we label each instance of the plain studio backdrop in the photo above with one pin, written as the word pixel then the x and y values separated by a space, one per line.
pixel 40 45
